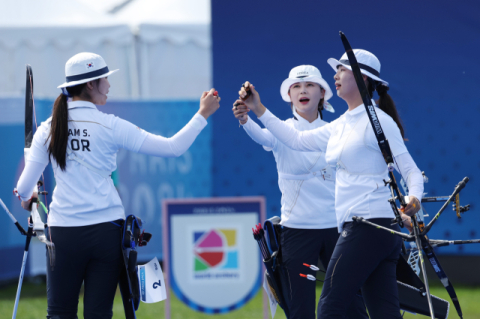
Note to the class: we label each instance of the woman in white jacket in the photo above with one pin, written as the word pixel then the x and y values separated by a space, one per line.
pixel 364 258
pixel 86 212
pixel 307 184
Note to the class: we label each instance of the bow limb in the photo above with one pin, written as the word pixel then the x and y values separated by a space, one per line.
pixel 38 225
pixel 427 248
pixel 29 113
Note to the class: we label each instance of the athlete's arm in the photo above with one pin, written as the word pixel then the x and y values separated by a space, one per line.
pixel 405 164
pixel 309 141
pixel 259 135
pixel 35 163
pixel 414 179
pixel 29 178
pixel 132 138
pixel 176 145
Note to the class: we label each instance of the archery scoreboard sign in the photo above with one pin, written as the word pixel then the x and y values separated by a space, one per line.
pixel 211 261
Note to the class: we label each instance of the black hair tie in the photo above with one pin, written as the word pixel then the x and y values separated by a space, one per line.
pixel 382 89
pixel 66 93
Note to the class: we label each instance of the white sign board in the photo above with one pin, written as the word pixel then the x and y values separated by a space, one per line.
pixel 211 259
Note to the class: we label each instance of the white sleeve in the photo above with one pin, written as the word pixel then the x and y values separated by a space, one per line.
pixel 29 178
pixel 412 175
pixel 127 135
pixel 313 140
pixel 176 145
pixel 259 135
pixel 38 151
pixel 35 162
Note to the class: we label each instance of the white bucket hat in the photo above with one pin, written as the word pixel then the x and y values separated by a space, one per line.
pixel 368 62
pixel 306 73
pixel 84 67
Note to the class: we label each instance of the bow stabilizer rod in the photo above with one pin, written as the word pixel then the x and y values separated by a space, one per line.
pixel 457 190
pixel 14 220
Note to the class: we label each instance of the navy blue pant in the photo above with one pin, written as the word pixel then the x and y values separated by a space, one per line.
pixel 364 258
pixel 306 246
pixel 88 254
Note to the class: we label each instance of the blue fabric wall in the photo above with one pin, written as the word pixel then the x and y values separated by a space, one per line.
pixel 428 52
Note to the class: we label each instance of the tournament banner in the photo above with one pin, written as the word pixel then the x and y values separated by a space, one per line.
pixel 211 261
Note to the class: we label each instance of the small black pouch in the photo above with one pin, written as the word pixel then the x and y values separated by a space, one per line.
pixel 274 272
pixel 128 281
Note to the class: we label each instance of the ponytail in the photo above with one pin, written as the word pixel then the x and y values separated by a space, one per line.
pixel 59 131
pixel 59 127
pixel 386 103
pixel 320 107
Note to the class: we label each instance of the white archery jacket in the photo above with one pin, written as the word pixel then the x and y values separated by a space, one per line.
pixel 306 181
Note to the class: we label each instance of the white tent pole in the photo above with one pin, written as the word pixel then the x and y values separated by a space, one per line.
pixel 133 66
pixel 144 69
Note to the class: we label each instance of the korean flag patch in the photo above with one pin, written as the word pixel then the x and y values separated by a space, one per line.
pixel 90 65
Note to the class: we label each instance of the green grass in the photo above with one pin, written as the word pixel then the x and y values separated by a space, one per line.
pixel 33 305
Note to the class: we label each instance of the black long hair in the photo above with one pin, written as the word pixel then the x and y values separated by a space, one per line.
pixel 385 102
pixel 320 107
pixel 59 127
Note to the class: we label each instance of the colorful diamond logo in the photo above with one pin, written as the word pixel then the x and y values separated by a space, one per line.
pixel 215 249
